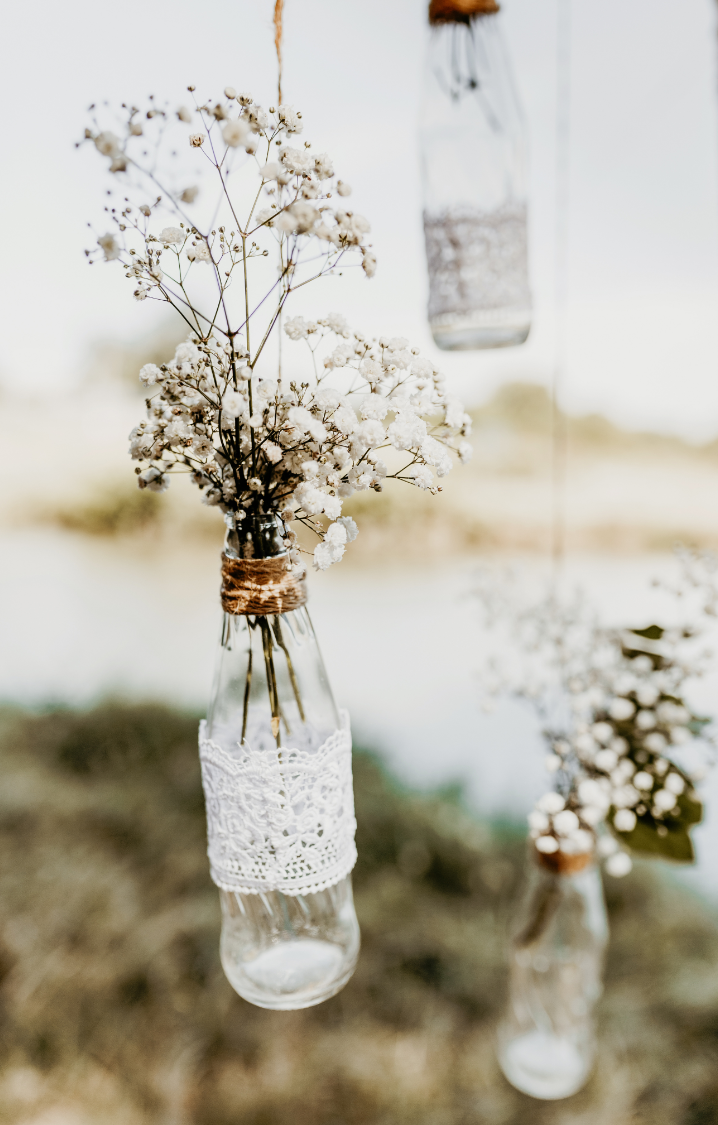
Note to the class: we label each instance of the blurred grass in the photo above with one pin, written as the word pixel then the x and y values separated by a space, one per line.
pixel 113 1006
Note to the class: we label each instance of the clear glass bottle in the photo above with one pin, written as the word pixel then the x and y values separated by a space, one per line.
pixel 546 1040
pixel 473 143
pixel 278 950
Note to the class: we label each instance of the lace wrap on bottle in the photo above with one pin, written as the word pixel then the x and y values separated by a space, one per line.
pixel 478 269
pixel 279 819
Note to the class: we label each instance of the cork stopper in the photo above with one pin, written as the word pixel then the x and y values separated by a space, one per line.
pixel 460 11
pixel 561 863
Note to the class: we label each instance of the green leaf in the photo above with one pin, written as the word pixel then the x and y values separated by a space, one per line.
pixel 691 809
pixel 669 838
pixel 675 845
pixel 652 633
pixel 697 723
pixel 630 653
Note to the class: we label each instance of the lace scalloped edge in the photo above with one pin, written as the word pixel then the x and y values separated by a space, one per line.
pixel 252 798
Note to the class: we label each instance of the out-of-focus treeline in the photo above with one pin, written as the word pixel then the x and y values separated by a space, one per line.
pixel 625 491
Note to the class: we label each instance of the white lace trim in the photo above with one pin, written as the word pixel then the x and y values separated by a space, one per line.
pixel 477 263
pixel 279 819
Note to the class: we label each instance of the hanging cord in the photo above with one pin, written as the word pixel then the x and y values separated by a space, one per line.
pixel 278 12
pixel 278 30
pixel 559 434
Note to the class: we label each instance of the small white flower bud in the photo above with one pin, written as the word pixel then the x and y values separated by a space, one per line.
pixel 606 760
pixel 607 845
pixel 538 820
pixel 664 800
pixel 675 783
pixel 565 822
pixel 643 780
pixel 550 803
pixel 624 820
pixel 619 865
pixel 621 709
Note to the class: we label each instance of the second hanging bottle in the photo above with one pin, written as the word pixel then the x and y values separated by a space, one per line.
pixel 474 171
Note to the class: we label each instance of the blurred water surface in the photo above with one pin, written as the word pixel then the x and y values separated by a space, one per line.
pixel 139 618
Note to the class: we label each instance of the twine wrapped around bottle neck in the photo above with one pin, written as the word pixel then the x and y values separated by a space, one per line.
pixel 264 587
pixel 561 863
pixel 460 11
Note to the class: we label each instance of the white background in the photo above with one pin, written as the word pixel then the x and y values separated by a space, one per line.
pixel 644 188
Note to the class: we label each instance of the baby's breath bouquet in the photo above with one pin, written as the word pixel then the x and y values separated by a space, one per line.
pixel 228 261
pixel 218 210
pixel 626 750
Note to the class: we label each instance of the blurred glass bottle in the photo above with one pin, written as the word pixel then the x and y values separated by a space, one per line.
pixel 278 950
pixel 474 172
pixel 546 1040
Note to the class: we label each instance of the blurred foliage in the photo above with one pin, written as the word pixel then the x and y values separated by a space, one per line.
pixel 527 408
pixel 114 1008
pixel 116 509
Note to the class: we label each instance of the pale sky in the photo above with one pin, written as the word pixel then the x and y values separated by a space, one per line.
pixel 643 323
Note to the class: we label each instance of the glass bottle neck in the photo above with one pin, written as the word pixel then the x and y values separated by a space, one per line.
pixel 255 537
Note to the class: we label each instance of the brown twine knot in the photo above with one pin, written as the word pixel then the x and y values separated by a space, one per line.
pixel 460 11
pixel 260 586
pixel 560 863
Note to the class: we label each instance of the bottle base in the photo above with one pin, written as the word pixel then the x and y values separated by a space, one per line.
pixel 479 339
pixel 291 974
pixel 544 1066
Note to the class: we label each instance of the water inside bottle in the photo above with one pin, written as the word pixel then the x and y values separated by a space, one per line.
pixel 289 951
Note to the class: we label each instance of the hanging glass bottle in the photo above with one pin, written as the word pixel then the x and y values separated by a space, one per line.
pixel 474 173
pixel 276 770
pixel 546 1041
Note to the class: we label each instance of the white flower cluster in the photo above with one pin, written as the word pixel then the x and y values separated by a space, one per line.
pixel 292 206
pixel 372 410
pixel 615 721
pixel 627 716
pixel 256 446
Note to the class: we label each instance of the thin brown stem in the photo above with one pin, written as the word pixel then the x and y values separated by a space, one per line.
pixel 277 626
pixel 247 686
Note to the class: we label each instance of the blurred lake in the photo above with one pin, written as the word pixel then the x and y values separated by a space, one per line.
pixel 138 617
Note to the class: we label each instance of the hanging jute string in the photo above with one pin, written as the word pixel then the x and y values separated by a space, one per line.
pixel 278 13
pixel 561 863
pixel 260 586
pixel 460 11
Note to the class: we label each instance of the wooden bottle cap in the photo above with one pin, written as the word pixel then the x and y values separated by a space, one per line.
pixel 460 11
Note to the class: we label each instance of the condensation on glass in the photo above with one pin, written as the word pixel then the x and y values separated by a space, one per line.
pixel 279 950
pixel 546 1040
pixel 474 175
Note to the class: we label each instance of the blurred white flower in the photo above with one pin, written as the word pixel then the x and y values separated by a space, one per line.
pixel 618 865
